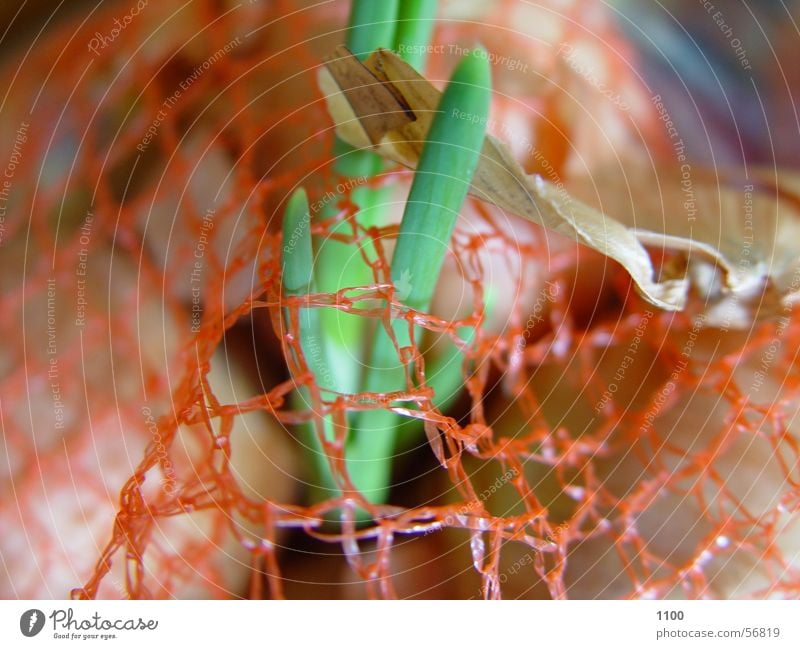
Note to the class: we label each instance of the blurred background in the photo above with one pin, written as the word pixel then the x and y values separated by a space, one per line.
pixel 729 78
pixel 694 56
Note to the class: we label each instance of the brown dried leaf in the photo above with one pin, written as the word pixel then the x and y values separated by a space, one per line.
pixel 747 231
pixel 383 104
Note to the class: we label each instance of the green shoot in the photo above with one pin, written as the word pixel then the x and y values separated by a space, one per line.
pixel 441 182
pixel 371 25
pixel 298 256
pixel 298 281
pixel 414 29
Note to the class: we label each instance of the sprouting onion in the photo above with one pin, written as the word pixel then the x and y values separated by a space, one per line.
pixel 414 28
pixel 441 182
pixel 298 281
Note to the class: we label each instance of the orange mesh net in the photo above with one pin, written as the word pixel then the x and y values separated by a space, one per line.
pixel 599 448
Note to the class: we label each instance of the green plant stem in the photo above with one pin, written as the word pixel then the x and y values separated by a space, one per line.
pixel 441 182
pixel 338 264
pixel 408 25
pixel 414 28
pixel 371 25
pixel 298 281
pixel 298 256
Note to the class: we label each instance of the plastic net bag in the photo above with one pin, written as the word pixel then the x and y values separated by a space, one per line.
pixel 596 446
